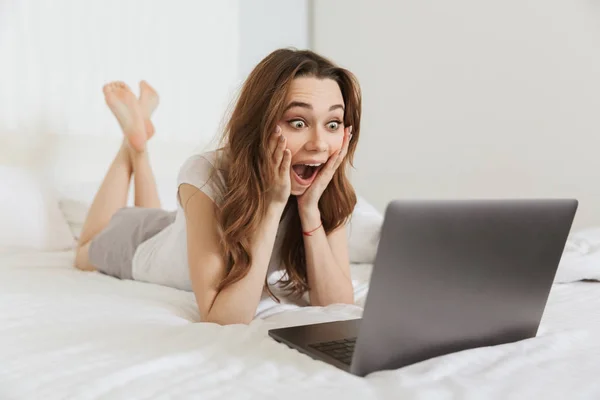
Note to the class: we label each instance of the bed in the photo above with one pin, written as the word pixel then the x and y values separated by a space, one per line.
pixel 67 334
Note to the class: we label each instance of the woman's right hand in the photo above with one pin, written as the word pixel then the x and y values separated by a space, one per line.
pixel 282 159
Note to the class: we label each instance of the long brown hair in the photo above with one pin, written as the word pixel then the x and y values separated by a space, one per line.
pixel 259 107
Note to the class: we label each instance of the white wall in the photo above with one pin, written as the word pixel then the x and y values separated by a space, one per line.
pixel 266 25
pixel 58 54
pixel 472 99
pixel 55 56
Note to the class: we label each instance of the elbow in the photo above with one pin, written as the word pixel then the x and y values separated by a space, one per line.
pixel 224 314
pixel 346 298
pixel 225 320
pixel 349 299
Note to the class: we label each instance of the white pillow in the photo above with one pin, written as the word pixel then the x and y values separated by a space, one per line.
pixel 363 232
pixel 30 217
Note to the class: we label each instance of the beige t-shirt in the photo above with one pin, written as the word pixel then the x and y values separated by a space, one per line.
pixel 163 258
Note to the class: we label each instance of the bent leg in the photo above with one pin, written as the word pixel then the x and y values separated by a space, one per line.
pixel 111 196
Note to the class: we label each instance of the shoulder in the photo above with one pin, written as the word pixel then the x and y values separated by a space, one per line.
pixel 197 163
pixel 207 172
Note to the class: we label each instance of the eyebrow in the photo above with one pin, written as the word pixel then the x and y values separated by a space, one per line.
pixel 309 107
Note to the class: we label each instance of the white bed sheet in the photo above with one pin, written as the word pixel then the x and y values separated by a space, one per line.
pixel 66 334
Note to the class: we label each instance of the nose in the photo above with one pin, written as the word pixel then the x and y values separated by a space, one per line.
pixel 316 141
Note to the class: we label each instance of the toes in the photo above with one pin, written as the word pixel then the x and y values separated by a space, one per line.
pixel 109 87
pixel 113 86
pixel 120 85
pixel 145 86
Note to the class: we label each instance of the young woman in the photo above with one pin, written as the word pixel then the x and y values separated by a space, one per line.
pixel 274 196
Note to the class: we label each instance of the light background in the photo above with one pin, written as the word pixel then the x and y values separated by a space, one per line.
pixel 461 99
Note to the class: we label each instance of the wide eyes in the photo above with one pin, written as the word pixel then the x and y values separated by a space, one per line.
pixel 333 125
pixel 300 124
pixel 297 124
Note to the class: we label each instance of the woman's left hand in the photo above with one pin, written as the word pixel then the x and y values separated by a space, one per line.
pixel 309 200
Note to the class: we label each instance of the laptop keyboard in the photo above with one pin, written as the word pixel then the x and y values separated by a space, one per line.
pixel 341 350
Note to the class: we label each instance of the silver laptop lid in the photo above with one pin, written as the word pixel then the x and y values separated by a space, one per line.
pixel 453 275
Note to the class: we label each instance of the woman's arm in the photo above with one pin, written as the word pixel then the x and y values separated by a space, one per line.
pixel 237 302
pixel 327 263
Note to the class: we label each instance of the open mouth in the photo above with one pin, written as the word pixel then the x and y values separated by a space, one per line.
pixel 306 173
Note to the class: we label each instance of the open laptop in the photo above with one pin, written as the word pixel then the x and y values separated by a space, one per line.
pixel 448 276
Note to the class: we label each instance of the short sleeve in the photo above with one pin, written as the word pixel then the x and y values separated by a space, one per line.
pixel 201 172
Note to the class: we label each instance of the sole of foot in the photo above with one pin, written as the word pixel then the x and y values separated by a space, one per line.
pixel 125 107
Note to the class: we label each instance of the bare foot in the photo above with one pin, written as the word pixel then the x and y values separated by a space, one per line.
pixel 125 107
pixel 148 103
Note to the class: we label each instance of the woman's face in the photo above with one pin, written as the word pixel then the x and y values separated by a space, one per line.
pixel 313 124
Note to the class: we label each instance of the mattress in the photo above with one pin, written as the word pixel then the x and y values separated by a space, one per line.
pixel 67 334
